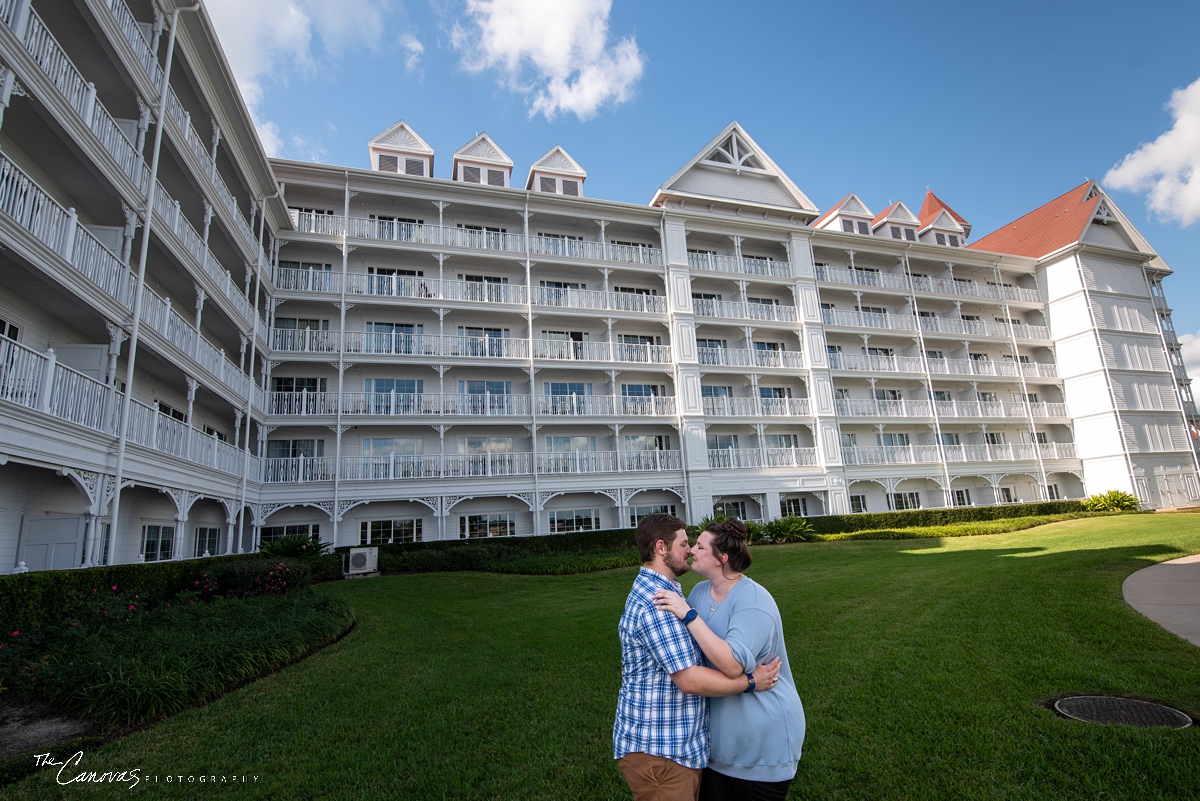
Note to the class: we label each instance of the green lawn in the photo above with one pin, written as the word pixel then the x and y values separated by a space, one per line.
pixel 923 666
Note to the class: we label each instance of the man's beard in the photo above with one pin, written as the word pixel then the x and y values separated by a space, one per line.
pixel 678 568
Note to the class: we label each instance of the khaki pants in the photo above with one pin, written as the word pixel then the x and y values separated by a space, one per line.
pixel 653 778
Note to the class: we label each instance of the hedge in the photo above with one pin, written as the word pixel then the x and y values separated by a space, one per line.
pixel 912 518
pixel 46 597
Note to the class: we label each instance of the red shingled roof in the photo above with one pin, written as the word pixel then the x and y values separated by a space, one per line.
pixel 1059 223
pixel 933 206
pixel 832 209
pixel 881 216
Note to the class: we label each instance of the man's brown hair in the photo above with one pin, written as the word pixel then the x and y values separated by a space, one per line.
pixel 655 527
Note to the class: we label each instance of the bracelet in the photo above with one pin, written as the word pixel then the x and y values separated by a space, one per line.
pixel 749 689
pixel 689 617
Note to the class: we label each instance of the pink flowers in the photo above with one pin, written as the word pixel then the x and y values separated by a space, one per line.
pixel 131 607
pixel 114 588
pixel 16 634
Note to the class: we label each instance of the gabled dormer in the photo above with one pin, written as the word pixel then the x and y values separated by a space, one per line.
pixel 556 173
pixel 732 174
pixel 940 224
pixel 400 150
pixel 849 215
pixel 896 222
pixel 480 161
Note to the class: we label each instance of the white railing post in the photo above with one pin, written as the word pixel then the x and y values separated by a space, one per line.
pixel 20 18
pixel 89 104
pixel 47 381
pixel 68 250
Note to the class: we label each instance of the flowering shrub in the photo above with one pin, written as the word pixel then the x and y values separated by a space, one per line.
pixel 295 545
pixel 1112 501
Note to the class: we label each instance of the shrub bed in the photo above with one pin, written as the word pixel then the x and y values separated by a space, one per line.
pixel 124 669
pixel 957 529
pixel 839 524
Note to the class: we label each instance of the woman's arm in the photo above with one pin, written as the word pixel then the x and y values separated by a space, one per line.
pixel 717 650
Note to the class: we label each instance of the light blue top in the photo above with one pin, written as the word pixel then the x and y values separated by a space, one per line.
pixel 755 736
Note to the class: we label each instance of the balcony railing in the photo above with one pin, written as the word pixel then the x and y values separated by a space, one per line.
pixel 469 238
pixel 867 407
pixel 843 275
pixel 33 209
pixel 308 340
pixel 558 350
pixel 941 325
pixel 482 465
pixel 393 404
pixel 601 301
pixel 755 407
pixel 621 405
pixel 736 310
pixel 747 265
pixel 928 454
pixel 761 457
pixel 874 363
pixel 36 381
pixel 740 357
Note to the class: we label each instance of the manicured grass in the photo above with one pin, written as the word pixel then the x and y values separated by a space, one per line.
pixel 923 666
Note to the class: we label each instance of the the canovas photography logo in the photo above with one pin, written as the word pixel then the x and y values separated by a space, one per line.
pixel 72 771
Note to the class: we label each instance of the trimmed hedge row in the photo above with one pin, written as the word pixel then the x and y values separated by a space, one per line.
pixel 47 597
pixel 912 518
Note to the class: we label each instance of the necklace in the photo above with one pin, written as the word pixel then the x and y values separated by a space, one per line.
pixel 713 606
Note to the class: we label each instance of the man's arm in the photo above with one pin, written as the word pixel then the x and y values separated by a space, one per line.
pixel 713 684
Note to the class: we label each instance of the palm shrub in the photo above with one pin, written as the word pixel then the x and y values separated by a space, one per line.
pixel 788 529
pixel 295 545
pixel 1112 501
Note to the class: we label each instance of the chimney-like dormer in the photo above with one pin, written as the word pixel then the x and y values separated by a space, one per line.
pixel 400 150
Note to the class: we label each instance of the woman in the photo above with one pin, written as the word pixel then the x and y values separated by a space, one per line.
pixel 755 737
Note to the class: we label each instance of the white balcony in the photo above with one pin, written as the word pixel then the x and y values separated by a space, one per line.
pixel 746 265
pixel 734 458
pixel 31 208
pixel 736 310
pixel 891 454
pixel 36 381
pixel 587 462
pixel 600 301
pixel 942 286
pixel 604 405
pixel 469 238
pixel 308 340
pixel 929 454
pixel 868 407
pixel 567 350
pixel 741 357
pixel 876 364
pixel 755 407
pixel 933 325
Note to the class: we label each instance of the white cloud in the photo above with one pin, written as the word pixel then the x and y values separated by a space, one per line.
pixel 558 51
pixel 1168 169
pixel 273 40
pixel 1191 357
pixel 413 50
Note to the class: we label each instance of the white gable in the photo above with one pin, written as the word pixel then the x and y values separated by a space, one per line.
pixel 559 162
pixel 901 214
pixel 855 206
pixel 947 223
pixel 482 149
pixel 402 138
pixel 732 168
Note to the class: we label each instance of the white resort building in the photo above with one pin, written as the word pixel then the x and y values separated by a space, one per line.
pixel 250 347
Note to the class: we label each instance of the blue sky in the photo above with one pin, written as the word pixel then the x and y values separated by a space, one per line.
pixel 996 107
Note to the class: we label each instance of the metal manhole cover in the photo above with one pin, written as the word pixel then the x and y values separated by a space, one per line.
pixel 1102 709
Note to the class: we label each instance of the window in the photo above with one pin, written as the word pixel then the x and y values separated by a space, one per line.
pixel 898 501
pixel 1041 438
pixel 402 338
pixel 634 290
pixel 841 393
pixel 730 509
pixel 567 388
pixel 951 438
pixel 385 532
pixel 156 542
pixel 849 439
pixel 898 440
pixel 896 233
pixel 301 324
pixel 647 442
pixel 953 241
pixel 722 442
pixel 986 397
pixel 887 394
pixel 858 504
pixel 496 524
pixel 9 330
pixel 774 392
pixel 940 395
pixel 641 390
pixel 636 513
pixel 1007 495
pixel 295 448
pixel 848 226
pixel 781 441
pixel 962 497
pixel 389 163
pixel 170 412
pixel 414 167
pixel 570 188
pixel 490 288
pixel 570 444
pixel 910 234
pixel 880 310
pixel 495 177
pixel 272 533
pixel 208 541
pixel 566 520
pixel 968 318
pixel 994 437
pixel 560 244
pixel 1053 493
pixel 481 445
pixel 312 220
pixel 221 436
pixel 873 351
pixel 941 238
pixel 793 507
pixel 547 184
pixel 470 175
pixel 935 355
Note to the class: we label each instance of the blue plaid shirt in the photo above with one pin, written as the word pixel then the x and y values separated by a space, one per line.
pixel 653 716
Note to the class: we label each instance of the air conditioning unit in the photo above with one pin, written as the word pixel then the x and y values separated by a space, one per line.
pixel 362 562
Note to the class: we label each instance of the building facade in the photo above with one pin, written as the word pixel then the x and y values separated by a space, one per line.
pixel 379 355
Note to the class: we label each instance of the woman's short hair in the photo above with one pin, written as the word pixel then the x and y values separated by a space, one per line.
pixel 729 538
pixel 655 527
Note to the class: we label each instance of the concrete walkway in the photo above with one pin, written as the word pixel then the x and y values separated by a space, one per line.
pixel 1169 594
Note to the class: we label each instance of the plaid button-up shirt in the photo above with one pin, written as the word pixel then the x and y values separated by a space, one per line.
pixel 653 716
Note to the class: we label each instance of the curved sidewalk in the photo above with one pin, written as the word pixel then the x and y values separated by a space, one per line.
pixel 1169 594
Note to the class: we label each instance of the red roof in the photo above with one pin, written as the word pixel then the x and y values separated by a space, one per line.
pixel 827 214
pixel 881 216
pixel 1059 223
pixel 933 206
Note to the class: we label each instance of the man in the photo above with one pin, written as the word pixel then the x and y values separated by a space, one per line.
pixel 660 738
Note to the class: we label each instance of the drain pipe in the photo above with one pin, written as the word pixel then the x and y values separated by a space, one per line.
pixel 148 224
pixel 258 257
